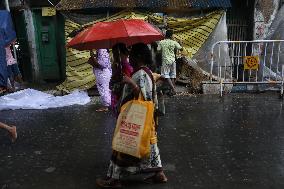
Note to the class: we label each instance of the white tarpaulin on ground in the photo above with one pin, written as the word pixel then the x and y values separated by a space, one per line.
pixel 33 99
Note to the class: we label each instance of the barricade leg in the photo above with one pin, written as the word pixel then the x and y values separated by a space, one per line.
pixel 282 83
pixel 221 88
pixel 282 90
pixel 221 81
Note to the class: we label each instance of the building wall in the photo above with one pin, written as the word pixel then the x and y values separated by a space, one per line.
pixel 240 19
pixel 32 45
pixel 264 14
pixel 44 44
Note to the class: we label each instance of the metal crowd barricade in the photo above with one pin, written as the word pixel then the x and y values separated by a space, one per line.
pixel 248 62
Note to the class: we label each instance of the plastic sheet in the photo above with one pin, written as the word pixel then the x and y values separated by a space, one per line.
pixel 203 56
pixel 33 99
pixel 276 32
pixel 272 70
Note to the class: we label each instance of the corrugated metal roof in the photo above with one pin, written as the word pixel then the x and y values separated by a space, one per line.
pixel 41 3
pixel 85 4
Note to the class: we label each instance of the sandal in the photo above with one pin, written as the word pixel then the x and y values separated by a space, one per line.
pixel 108 183
pixel 159 177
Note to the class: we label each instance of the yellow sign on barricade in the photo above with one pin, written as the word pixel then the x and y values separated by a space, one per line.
pixel 251 62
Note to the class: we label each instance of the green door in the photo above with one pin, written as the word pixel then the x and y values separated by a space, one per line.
pixel 46 46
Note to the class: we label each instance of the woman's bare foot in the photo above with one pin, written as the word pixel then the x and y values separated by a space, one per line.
pixel 13 133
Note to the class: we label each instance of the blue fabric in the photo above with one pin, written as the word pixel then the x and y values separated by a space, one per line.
pixel 7 35
pixel 3 63
pixel 13 70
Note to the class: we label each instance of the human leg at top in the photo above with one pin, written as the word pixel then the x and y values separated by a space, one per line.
pixel 11 129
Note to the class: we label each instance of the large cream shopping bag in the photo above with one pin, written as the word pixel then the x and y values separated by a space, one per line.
pixel 133 128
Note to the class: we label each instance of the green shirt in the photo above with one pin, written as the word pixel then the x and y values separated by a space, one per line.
pixel 168 47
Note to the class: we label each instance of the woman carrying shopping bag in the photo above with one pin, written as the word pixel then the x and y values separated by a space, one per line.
pixel 139 89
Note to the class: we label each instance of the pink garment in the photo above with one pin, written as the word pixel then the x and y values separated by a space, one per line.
pixel 9 57
pixel 103 76
pixel 127 69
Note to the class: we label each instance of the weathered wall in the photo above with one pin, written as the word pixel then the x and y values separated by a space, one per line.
pixel 265 11
pixel 32 44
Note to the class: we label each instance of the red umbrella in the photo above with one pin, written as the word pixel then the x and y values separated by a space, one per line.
pixel 107 34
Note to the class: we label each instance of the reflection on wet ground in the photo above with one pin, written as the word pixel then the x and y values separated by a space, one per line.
pixel 205 141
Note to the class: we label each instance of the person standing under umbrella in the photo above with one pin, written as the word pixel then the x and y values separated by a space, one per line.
pixel 120 68
pixel 102 70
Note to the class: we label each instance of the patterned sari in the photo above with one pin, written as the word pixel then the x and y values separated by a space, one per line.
pixel 103 76
pixel 122 165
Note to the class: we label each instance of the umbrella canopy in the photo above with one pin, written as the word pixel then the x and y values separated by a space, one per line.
pixel 107 34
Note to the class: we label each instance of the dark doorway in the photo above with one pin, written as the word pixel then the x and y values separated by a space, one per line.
pixel 240 19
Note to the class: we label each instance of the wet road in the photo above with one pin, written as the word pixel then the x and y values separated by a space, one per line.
pixel 206 142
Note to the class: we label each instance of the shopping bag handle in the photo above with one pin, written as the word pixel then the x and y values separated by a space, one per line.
pixel 140 96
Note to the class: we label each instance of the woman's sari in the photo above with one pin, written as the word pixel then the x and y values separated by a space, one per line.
pixel 122 165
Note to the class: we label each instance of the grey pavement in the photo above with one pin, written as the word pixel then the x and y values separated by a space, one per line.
pixel 235 142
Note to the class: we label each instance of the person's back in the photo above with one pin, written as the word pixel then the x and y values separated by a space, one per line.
pixel 168 48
